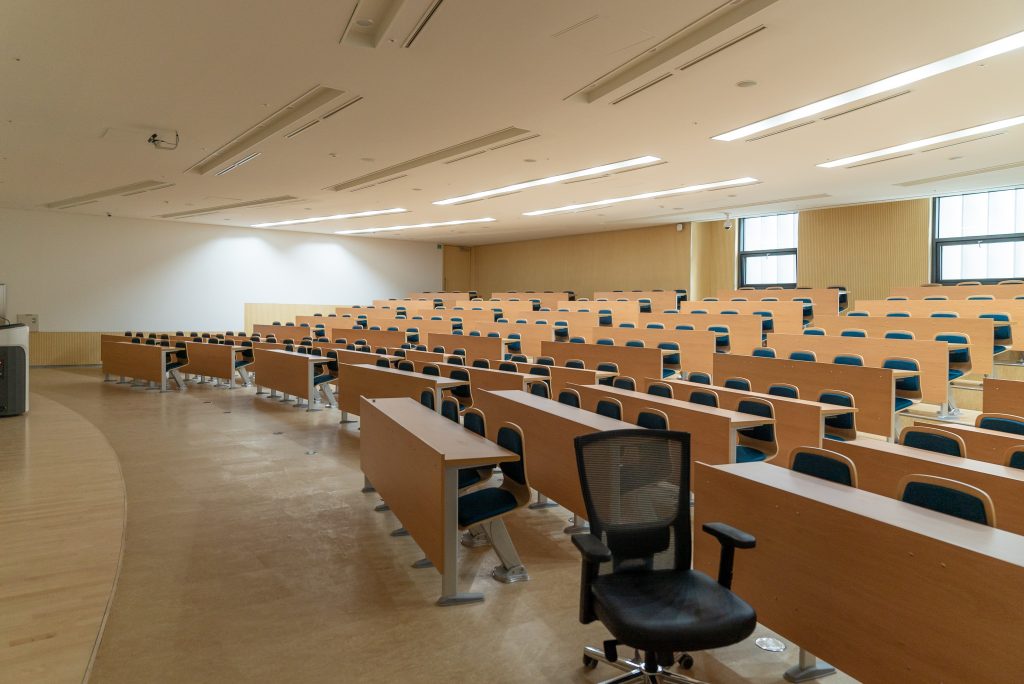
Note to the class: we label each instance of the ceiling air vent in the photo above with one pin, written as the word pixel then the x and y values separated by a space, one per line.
pixel 422 23
pixel 457 150
pixel 225 207
pixel 865 105
pixel 962 174
pixel 122 190
pixel 300 107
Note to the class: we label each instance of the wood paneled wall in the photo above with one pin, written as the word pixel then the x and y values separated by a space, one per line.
pixel 643 259
pixel 65 348
pixel 712 258
pixel 458 268
pixel 869 248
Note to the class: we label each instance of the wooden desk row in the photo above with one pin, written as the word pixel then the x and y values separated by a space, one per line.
pixel 966 308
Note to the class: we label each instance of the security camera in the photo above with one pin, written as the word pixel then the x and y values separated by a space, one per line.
pixel 728 222
pixel 109 214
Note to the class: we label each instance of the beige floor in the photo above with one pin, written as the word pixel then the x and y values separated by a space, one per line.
pixel 252 556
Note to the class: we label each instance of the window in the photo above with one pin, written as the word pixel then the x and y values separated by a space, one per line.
pixel 979 236
pixel 768 250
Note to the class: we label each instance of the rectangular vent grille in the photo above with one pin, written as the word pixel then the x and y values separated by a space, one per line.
pixel 645 86
pixel 224 207
pixel 962 142
pixel 880 161
pixel 514 142
pixel 465 156
pixel 963 174
pixel 781 130
pixel 297 109
pixel 304 127
pixel 386 180
pixel 139 192
pixel 346 105
pixel 123 190
pixel 864 106
pixel 573 27
pixel 724 46
pixel 584 180
pixel 457 150
pixel 422 23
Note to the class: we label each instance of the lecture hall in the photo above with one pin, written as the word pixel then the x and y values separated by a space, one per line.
pixel 477 341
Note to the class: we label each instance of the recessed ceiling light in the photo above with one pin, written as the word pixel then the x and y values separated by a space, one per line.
pixel 593 171
pixel 365 23
pixel 900 80
pixel 955 135
pixel 647 195
pixel 417 225
pixel 335 217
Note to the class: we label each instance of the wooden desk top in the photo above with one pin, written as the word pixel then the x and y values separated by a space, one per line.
pixel 980 539
pixel 581 416
pixel 826 409
pixel 460 448
pixel 431 379
pixel 309 357
pixel 736 419
pixel 931 456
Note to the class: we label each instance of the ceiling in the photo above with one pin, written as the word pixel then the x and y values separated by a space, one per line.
pixel 413 101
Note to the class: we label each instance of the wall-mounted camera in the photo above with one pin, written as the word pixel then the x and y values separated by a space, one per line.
pixel 728 222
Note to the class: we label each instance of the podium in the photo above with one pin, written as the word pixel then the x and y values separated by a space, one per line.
pixel 13 369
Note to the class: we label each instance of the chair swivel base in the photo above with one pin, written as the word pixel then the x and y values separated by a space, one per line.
pixel 510 575
pixel 634 670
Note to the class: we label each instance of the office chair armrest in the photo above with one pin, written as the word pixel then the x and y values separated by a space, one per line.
pixel 592 548
pixel 731 539
pixel 726 534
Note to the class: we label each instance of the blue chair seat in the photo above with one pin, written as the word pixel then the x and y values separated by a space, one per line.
pixel 954 374
pixel 483 504
pixel 998 349
pixel 242 362
pixel 468 477
pixel 835 438
pixel 320 379
pixel 745 454
pixel 902 403
pixel 667 372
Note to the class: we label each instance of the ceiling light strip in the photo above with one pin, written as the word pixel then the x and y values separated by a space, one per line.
pixel 998 47
pixel 594 171
pixel 243 160
pixel 647 195
pixel 926 142
pixel 335 217
pixel 417 225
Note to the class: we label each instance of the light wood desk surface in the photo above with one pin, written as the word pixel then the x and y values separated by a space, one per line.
pixel 696 347
pixel 621 312
pixel 959 291
pixel 549 429
pixel 489 348
pixel 506 306
pixel 375 382
pixel 982 445
pixel 824 300
pixel 899 576
pixel 1003 396
pixel 660 299
pixel 787 316
pixel 966 308
pixel 634 362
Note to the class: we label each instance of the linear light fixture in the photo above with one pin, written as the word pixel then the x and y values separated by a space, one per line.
pixel 594 171
pixel 238 163
pixel 417 225
pixel 926 142
pixel 335 217
pixel 998 47
pixel 647 195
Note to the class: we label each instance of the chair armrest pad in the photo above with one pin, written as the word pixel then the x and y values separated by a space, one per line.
pixel 592 548
pixel 730 536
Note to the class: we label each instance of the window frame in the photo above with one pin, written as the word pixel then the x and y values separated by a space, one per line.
pixel 741 255
pixel 938 243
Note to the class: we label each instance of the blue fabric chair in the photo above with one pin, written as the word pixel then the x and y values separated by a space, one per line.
pixel 959 359
pixel 721 338
pixel 574 363
pixel 462 393
pixel 1003 333
pixel 897 314
pixel 652 419
pixel 635 343
pixel 427 398
pixel 704 398
pixel 626 325
pixel 431 369
pixel 758 443
pixel 604 317
pixel 933 439
pixel 569 397
pixel 540 370
pixel 764 352
pixel 1015 457
pixel 610 408
pixel 624 382
pixel 508 366
pixel 908 390
pixel 857 313
pixel 803 356
pixel 684 326
pixel 784 390
pixel 700 377
pixel 899 335
pixel 608 367
pixel 450 410
pixel 813 331
pixel 1001 422
pixel 655 326
pixel 577 340
pixel 481 363
pixel 824 464
pixel 849 360
pixel 949 497
pixel 490 503
pixel 944 314
pixel 405 365
pixel 660 389
pixel 741 384
pixel 540 389
pixel 853 332
pixel 606 341
pixel 842 427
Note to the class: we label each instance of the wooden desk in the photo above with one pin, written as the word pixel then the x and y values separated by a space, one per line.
pixel 213 360
pixel 374 338
pixel 621 312
pixel 485 378
pixel 787 317
pixel 696 347
pixel 547 300
pixel 579 323
pixel 407 304
pixel 549 429
pixel 873 389
pixel 531 334
pixel 375 382
pixel 979 331
pixel 712 431
pixel 288 372
pixel 882 465
pixel 507 307
pixel 635 362
pixel 449 298
pixel 919 308
pixel 660 299
pixel 876 587
pixel 932 357
pixel 825 300
pixel 489 348
pixel 1002 396
pixel 284 332
pixel 959 291
pixel 797 422
pixel 744 329
pixel 982 445
pixel 137 361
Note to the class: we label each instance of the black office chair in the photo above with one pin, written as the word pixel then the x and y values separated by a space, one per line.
pixel 637 576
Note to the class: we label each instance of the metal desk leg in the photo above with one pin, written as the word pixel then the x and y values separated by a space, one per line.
pixel 450 595
pixel 367 486
pixel 542 502
pixel 734 439
pixel 808 668
pixel 345 418
pixel 577 525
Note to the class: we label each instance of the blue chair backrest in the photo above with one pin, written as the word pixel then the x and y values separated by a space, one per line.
pixel 844 421
pixel 1002 332
pixel 899 335
pixel 929 441
pixel 427 399
pixel 509 438
pixel 540 389
pixel 684 327
pixel 801 356
pixel 506 366
pixel 1015 427
pixel 626 325
pixel 765 352
pixel 569 399
pixel 945 500
pixel 764 433
pixel 848 360
pixel 651 421
pixel 853 333
pixel 577 340
pixel 1016 459
pixel 609 409
pixel 660 391
pixel 574 363
pixel 783 391
pixel 830 469
pixel 699 377
pixel 857 313
pixel 656 326
pixel 704 398
pixel 431 370
pixel 737 384
pixel 450 409
pixel 624 383
pixel 943 314
pixel 634 343
pixel 906 384
pixel 813 331
pixel 605 340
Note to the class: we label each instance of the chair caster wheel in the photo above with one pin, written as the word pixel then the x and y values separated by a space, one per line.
pixel 589 663
pixel 686 661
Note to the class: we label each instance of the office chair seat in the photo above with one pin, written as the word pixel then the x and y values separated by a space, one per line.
pixel 746 454
pixel 902 403
pixel 657 608
pixel 954 374
pixel 483 504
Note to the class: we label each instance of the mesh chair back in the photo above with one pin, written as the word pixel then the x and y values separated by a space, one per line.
pixel 636 489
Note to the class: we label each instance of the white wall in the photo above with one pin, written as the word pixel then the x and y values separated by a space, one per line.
pixel 89 273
